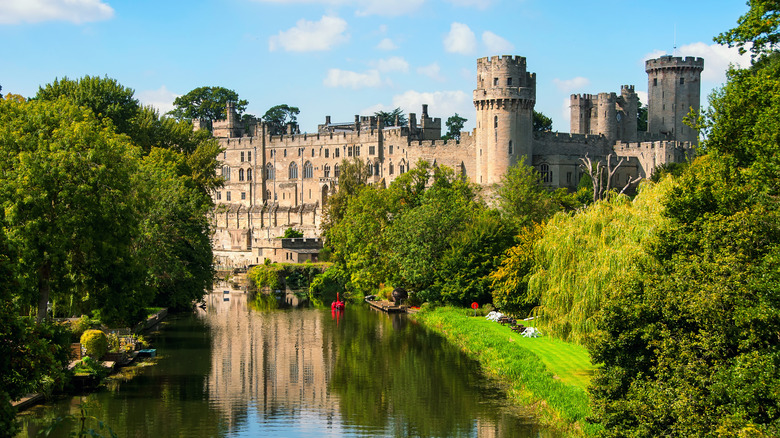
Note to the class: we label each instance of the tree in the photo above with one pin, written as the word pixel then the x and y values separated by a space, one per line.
pixel 542 123
pixel 641 117
pixel 70 206
pixel 389 118
pixel 292 233
pixel 278 117
pixel 601 176
pixel 207 103
pixel 522 198
pixel 757 30
pixel 454 127
pixel 509 281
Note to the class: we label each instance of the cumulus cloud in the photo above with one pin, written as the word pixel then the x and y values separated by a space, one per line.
pixel 161 98
pixel 460 39
pixel 479 4
pixel 440 103
pixel 388 9
pixel 432 71
pixel 386 44
pixel 308 36
pixel 396 63
pixel 35 11
pixel 495 44
pixel 642 97
pixel 351 79
pixel 569 85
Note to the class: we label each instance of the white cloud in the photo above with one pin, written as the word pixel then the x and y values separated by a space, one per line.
pixel 480 4
pixel 495 44
pixel 309 36
pixel 351 79
pixel 35 11
pixel 642 97
pixel 396 63
pixel 565 116
pixel 388 9
pixel 460 39
pixel 161 98
pixel 440 103
pixel 433 71
pixel 386 44
pixel 569 85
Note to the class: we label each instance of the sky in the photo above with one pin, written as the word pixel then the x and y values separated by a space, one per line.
pixel 348 57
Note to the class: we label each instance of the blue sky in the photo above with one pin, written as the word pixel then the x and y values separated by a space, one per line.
pixel 347 57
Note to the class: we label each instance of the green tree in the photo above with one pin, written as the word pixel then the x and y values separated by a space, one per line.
pixel 522 198
pixel 509 281
pixel 389 117
pixel 542 123
pixel 757 30
pixel 641 117
pixel 278 117
pixel 454 127
pixel 70 206
pixel 207 103
pixel 292 233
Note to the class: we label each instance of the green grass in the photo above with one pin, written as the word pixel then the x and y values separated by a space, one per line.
pixel 151 311
pixel 548 374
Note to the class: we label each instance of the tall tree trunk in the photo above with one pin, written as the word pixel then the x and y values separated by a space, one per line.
pixel 44 287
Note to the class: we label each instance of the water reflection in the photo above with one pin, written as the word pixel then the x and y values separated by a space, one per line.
pixel 237 370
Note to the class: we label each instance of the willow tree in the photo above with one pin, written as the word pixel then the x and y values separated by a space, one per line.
pixel 581 258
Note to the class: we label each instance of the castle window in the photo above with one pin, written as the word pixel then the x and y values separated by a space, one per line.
pixel 546 173
pixel 349 151
pixel 269 171
pixel 327 171
pixel 268 195
pixel 243 196
pixel 511 151
pixel 655 82
pixel 299 151
pixel 495 82
pixel 391 149
pixel 219 196
pixel 249 156
pixel 285 153
pixel 227 196
pixel 568 177
pixel 224 155
pixel 336 152
pixel 376 169
pixel 336 171
pixel 390 168
pixel 249 174
pixel 508 82
pixel 327 153
pixel 312 152
pixel 308 170
pixel 242 157
pixel 372 150
pixel 240 174
pixel 682 81
pixel 226 173
pixel 370 169
pixel 495 121
pixel 401 169
pixel 357 151
pixel 292 172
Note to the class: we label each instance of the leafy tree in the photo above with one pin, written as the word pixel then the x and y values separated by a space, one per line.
pixel 757 30
pixel 641 117
pixel 207 103
pixel 292 233
pixel 388 118
pixel 522 199
pixel 352 178
pixel 69 203
pixel 278 117
pixel 542 123
pixel 509 281
pixel 454 127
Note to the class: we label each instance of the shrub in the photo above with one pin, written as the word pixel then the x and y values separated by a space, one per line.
pixel 95 342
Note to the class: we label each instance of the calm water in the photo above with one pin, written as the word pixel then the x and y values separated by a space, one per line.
pixel 235 371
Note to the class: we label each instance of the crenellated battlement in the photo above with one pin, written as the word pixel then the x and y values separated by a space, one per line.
pixel 669 61
pixel 565 137
pixel 622 146
pixel 504 60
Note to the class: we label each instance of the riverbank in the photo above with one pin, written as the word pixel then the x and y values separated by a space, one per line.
pixel 550 375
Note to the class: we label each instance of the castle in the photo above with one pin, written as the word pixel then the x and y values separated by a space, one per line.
pixel 274 182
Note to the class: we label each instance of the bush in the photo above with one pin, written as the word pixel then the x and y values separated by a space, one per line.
pixel 95 342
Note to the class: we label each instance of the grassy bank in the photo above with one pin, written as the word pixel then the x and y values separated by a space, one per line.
pixel 548 374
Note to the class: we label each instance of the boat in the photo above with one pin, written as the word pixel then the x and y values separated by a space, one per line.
pixel 338 304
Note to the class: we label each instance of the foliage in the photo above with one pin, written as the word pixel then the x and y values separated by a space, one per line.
pixel 352 179
pixel 92 367
pixel 278 117
pixel 206 103
pixel 389 117
pixel 327 284
pixel 641 117
pixel 581 260
pixel 95 343
pixel 690 348
pixel 542 123
pixel 265 276
pixel 292 233
pixel 82 419
pixel 454 127
pixel 533 369
pixel 510 280
pixel 757 30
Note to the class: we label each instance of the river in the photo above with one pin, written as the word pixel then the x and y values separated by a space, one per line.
pixel 236 371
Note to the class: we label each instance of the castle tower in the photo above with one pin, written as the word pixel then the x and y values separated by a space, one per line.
pixel 504 100
pixel 580 108
pixel 607 116
pixel 673 88
pixel 629 107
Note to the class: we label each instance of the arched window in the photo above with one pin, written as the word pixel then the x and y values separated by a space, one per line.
pixel 269 171
pixel 249 174
pixel 390 168
pixel 327 170
pixel 240 174
pixel 226 173
pixel 292 172
pixel 370 168
pixel 336 171
pixel 308 170
pixel 376 169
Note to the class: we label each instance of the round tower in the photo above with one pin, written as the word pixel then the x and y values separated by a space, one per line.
pixel 673 88
pixel 504 100
pixel 607 116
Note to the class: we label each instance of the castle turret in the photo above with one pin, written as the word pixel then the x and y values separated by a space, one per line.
pixel 607 116
pixel 580 105
pixel 504 100
pixel 629 107
pixel 673 89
